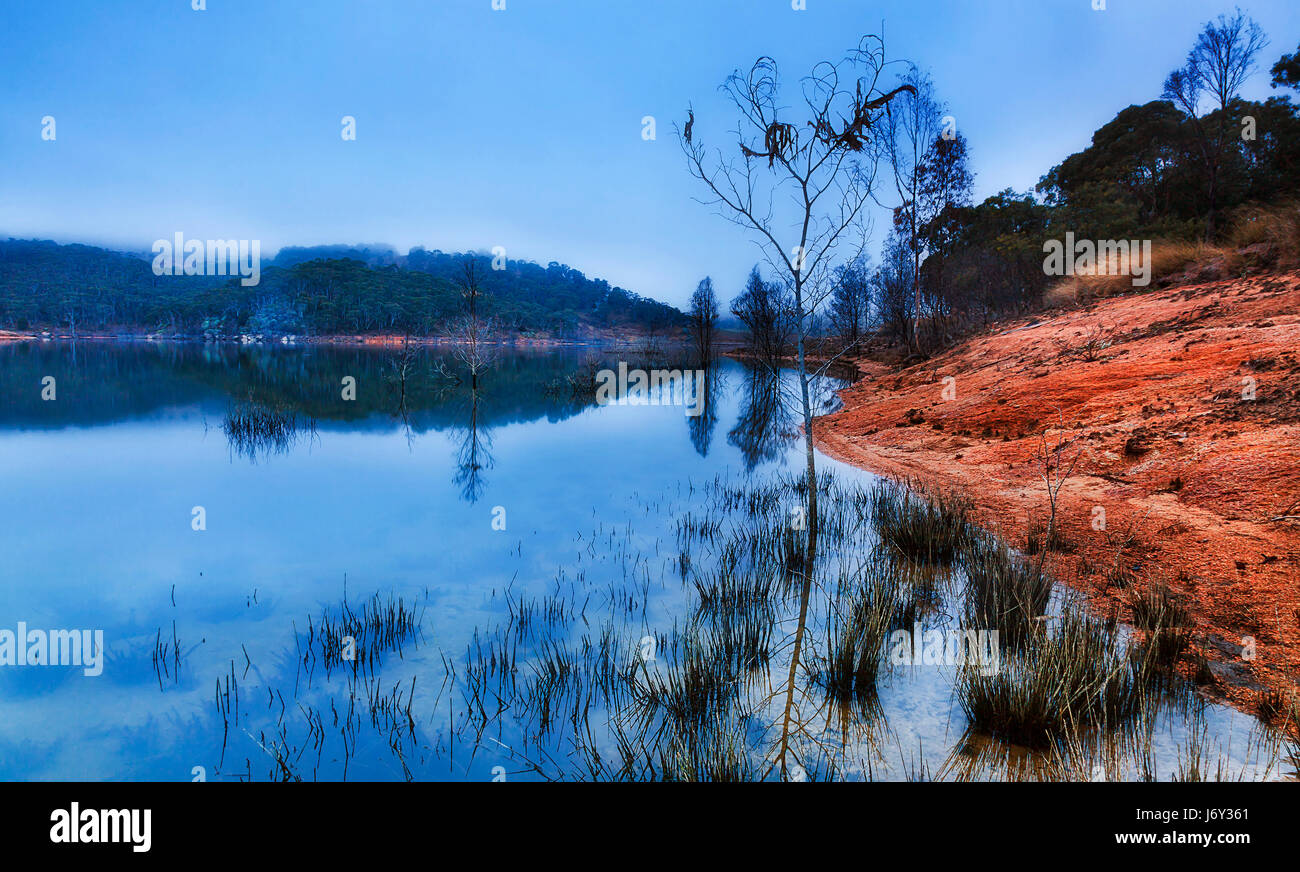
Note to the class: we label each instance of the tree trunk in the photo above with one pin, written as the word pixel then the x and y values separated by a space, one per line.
pixel 810 552
pixel 811 469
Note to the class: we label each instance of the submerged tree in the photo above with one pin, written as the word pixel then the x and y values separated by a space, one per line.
pixel 473 331
pixel 402 366
pixel 801 184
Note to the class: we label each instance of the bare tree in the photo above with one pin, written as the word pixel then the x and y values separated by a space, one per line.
pixel 1217 66
pixel 801 185
pixel 403 365
pixel 821 165
pixel 472 330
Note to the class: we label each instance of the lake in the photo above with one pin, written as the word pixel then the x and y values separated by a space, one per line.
pixel 433 581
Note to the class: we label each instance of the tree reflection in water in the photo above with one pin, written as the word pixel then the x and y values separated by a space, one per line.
pixel 765 422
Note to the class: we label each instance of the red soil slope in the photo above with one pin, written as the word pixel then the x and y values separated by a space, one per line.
pixel 1200 487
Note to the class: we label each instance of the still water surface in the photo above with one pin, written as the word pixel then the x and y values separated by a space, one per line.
pixel 395 494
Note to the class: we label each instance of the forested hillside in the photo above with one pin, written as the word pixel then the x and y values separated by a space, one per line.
pixel 1199 171
pixel 308 291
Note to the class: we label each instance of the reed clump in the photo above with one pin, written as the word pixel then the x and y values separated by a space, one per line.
pixel 358 638
pixel 921 527
pixel 1005 592
pixel 858 627
pixel 253 429
pixel 1166 621
pixel 1038 538
pixel 729 590
pixel 1072 676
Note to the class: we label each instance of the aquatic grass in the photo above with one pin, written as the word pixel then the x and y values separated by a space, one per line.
pixel 167 657
pixel 253 430
pixel 1269 704
pixel 1167 623
pixel 1155 607
pixel 584 681
pixel 1202 674
pixel 1004 591
pixel 728 590
pixel 1073 675
pixel 1194 760
pixel 741 640
pixel 358 639
pixel 721 754
pixel 922 592
pixel 488 676
pixel 546 614
pixel 718 749
pixel 858 625
pixel 1093 754
pixel 921 527
pixel 691 686
pixel 1039 539
pixel 1289 733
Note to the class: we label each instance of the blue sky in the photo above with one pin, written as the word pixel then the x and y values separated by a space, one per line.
pixel 519 128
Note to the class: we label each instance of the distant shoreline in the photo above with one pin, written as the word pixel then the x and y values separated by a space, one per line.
pixel 341 341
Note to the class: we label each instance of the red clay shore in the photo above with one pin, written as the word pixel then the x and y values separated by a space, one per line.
pixel 1199 483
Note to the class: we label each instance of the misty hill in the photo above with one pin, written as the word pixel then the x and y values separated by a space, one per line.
pixel 370 255
pixel 322 290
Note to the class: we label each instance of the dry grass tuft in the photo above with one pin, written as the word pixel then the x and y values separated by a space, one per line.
pixel 1112 276
pixel 1275 228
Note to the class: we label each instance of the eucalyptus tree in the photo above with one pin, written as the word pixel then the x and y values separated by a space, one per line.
pixel 910 129
pixel 1286 72
pixel 851 301
pixel 1217 65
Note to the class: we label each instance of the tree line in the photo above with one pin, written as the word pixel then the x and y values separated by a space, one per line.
pixel 45 285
